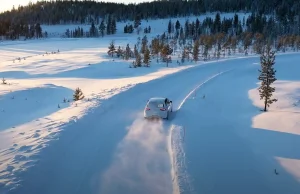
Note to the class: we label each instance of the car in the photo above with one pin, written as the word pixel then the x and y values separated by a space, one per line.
pixel 158 107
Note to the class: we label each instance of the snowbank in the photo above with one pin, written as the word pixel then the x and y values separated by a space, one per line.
pixel 283 117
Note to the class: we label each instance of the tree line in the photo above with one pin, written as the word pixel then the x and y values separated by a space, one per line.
pixel 74 11
pixel 278 17
pixel 210 39
pixel 88 11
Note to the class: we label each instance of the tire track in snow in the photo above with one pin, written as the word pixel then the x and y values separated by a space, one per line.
pixel 180 178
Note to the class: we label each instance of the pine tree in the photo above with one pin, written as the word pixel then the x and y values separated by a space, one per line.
pixel 127 52
pixel 196 50
pixel 38 30
pixel 137 21
pixel 93 30
pixel 165 52
pixel 102 28
pixel 135 51
pixel 182 39
pixel 111 49
pixel 183 55
pixel 78 95
pixel 217 23
pixel 144 44
pixel 267 77
pixel 4 81
pixel 113 26
pixel 138 60
pixel 125 29
pixel 186 28
pixel 119 52
pixel 130 29
pixel 177 26
pixel 109 25
pixel 170 27
pixel 68 33
pixel 155 47
pixel 147 57
pixel 81 32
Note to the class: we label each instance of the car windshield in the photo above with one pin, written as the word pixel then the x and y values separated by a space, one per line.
pixel 156 104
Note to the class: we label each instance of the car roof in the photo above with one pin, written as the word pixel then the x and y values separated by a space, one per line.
pixel 157 99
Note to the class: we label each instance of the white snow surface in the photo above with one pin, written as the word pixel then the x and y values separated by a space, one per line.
pixel 102 144
pixel 229 145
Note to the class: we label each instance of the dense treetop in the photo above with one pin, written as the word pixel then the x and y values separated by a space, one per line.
pixel 74 11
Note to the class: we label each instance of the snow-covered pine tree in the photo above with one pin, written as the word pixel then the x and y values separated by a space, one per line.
pixel 147 57
pixel 111 49
pixel 119 52
pixel 127 52
pixel 267 77
pixel 78 95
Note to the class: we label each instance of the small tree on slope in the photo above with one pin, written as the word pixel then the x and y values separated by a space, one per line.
pixel 4 81
pixel 196 50
pixel 138 60
pixel 111 49
pixel 147 57
pixel 78 95
pixel 267 77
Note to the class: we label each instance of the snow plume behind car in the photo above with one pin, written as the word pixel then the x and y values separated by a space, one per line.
pixel 141 163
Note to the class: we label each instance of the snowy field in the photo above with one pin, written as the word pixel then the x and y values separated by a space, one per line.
pixel 222 142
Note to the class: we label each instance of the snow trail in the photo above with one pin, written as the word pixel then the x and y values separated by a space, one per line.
pixel 141 162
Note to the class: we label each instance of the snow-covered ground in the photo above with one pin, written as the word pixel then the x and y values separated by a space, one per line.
pixel 51 146
pixel 32 107
pixel 228 145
